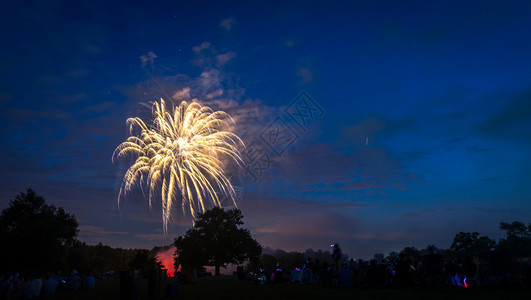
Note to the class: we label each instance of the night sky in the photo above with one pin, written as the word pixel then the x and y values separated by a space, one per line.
pixel 374 124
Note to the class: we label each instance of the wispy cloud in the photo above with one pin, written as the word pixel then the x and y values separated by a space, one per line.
pixel 96 231
pixel 227 23
pixel 182 94
pixel 223 59
pixel 305 75
pixel 202 46
pixel 148 59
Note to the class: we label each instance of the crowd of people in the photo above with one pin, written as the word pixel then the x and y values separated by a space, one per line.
pixel 14 286
pixel 402 271
pixel 399 271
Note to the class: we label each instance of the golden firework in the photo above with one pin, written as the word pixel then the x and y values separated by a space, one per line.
pixel 181 155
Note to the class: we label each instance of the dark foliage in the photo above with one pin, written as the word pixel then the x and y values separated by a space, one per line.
pixel 144 260
pixel 471 244
pixel 35 236
pixel 517 242
pixel 216 240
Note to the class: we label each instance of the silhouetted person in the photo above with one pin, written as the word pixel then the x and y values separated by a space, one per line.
pixel 309 264
pixel 268 274
pixel 375 276
pixel 361 268
pixel 345 278
pixel 307 275
pixel 433 266
pixel 88 282
pixel 325 276
pixel 186 276
pixel 6 287
pixel 469 269
pixel 36 286
pixel 296 275
pixel 307 272
pixel 352 265
pixel 74 281
pixel 336 256
pixel 25 288
pixel 402 270
pixel 278 276
pixel 49 286
pixel 317 268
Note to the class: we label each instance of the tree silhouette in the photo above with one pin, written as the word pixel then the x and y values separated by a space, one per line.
pixel 34 236
pixel 216 240
pixel 517 242
pixel 144 260
pixel 516 229
pixel 411 252
pixel 471 244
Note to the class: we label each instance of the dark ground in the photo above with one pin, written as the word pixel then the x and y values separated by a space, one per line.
pixel 231 288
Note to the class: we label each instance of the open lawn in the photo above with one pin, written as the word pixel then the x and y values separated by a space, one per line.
pixel 228 287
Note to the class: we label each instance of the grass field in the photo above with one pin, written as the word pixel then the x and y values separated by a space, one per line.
pixel 230 288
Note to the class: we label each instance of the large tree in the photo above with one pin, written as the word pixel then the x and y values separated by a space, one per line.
pixel 216 239
pixel 517 241
pixel 471 244
pixel 34 235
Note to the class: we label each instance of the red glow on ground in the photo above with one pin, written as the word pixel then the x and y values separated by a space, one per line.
pixel 165 257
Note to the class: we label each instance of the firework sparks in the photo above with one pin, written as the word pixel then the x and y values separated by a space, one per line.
pixel 181 155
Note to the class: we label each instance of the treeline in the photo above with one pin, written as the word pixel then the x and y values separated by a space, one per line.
pixel 102 258
pixel 86 259
pixel 36 238
pixel 499 257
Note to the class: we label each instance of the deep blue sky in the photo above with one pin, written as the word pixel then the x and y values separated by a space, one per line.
pixel 423 126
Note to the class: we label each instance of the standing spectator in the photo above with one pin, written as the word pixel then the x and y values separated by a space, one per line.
pixel 6 287
pixel 74 281
pixel 296 275
pixel 49 286
pixel 345 278
pixel 88 282
pixel 35 287
pixel 402 270
pixel 336 255
pixel 307 275
pixel 325 277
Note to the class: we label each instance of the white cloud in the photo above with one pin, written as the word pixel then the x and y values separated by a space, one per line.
pixel 148 58
pixel 250 116
pixel 210 79
pixel 202 46
pixel 214 94
pixel 225 58
pixel 182 94
pixel 227 23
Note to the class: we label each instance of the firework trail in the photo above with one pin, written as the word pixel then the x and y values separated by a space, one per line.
pixel 181 155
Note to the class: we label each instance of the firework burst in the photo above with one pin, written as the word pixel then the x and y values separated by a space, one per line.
pixel 181 155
